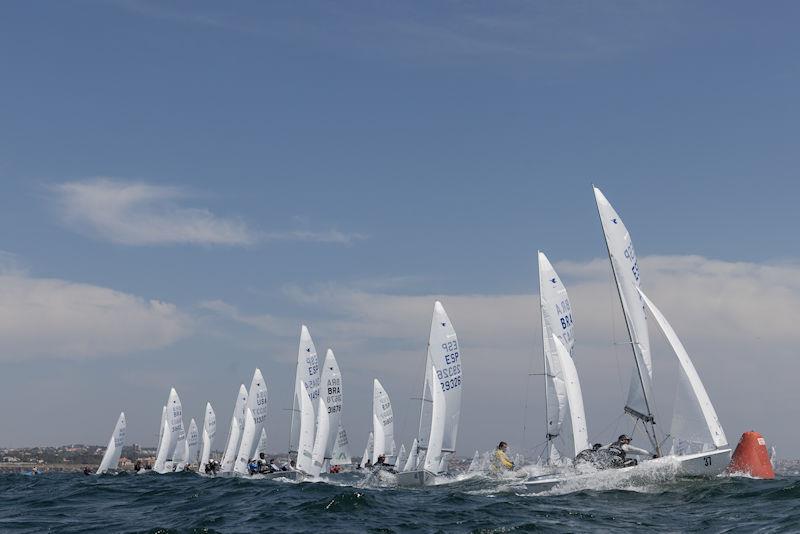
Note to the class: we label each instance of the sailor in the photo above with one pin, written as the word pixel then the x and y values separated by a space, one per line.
pixel 137 466
pixel 262 463
pixel 212 467
pixel 381 460
pixel 501 461
pixel 622 447
pixel 588 455
pixel 368 463
pixel 273 467
pixel 87 471
pixel 252 466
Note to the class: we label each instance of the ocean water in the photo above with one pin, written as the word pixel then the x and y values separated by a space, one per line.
pixel 189 503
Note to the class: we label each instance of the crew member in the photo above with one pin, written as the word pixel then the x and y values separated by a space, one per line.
pixel 501 460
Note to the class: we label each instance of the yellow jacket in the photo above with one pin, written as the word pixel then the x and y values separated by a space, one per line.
pixel 501 459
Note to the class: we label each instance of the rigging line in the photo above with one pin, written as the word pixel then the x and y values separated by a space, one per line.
pixel 612 423
pixel 613 312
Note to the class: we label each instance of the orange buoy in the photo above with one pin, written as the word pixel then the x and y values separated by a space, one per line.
pixel 751 457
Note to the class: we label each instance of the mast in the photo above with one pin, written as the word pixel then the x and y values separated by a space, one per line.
pixel 648 417
pixel 545 373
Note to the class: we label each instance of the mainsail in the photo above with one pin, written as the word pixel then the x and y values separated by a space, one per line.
pixel 209 431
pixel 382 422
pixel 413 456
pixel 626 274
pixel 189 456
pixel 401 458
pixel 367 456
pixel 115 444
pixel 564 403
pixel 444 354
pixel 307 373
pixel 695 425
pixel 173 432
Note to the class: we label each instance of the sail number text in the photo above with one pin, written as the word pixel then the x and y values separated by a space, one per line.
pixel 450 376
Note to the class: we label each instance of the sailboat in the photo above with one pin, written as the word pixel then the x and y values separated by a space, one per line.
pixel 307 376
pixel 413 455
pixel 254 419
pixel 441 404
pixel 172 433
pixel 367 456
pixel 566 421
pixel 382 423
pixel 207 440
pixel 698 440
pixel 399 462
pixel 235 431
pixel 329 413
pixel 341 450
pixel 191 448
pixel 114 450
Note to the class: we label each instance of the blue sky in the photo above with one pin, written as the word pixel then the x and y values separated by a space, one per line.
pixel 258 165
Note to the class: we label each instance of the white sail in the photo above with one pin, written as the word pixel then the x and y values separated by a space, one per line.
pixel 173 432
pixel 163 449
pixel 367 456
pixel 262 444
pixel 382 422
pixel 626 273
pixel 329 410
pixel 192 447
pixel 401 458
pixel 321 439
pixel 445 355
pixel 434 452
pixel 235 431
pixel 413 457
pixel 475 464
pixel 580 436
pixel 695 424
pixel 114 450
pixel 341 451
pixel 556 315
pixel 209 432
pixel 305 448
pixel 247 443
pixel 161 429
pixel 307 373
pixel 257 404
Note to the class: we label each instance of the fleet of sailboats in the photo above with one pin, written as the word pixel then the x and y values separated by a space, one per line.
pixel 318 443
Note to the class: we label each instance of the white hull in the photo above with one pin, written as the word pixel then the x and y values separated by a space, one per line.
pixel 416 478
pixel 703 464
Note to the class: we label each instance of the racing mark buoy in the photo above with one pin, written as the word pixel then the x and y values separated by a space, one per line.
pixel 751 457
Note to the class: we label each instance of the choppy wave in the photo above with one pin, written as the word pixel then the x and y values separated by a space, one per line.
pixel 652 499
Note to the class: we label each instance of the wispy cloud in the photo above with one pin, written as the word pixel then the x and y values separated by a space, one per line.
pixel 53 318
pixel 138 213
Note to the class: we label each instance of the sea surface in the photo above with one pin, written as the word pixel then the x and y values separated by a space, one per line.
pixel 657 502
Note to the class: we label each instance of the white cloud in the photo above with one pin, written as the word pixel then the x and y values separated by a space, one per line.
pixel 137 213
pixel 51 318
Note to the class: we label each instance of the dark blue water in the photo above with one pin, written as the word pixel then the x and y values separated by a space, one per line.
pixel 189 503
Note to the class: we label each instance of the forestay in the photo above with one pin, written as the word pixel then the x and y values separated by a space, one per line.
pixel 114 450
pixel 235 431
pixel 443 354
pixel 695 425
pixel 382 422
pixel 207 441
pixel 307 373
pixel 626 273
